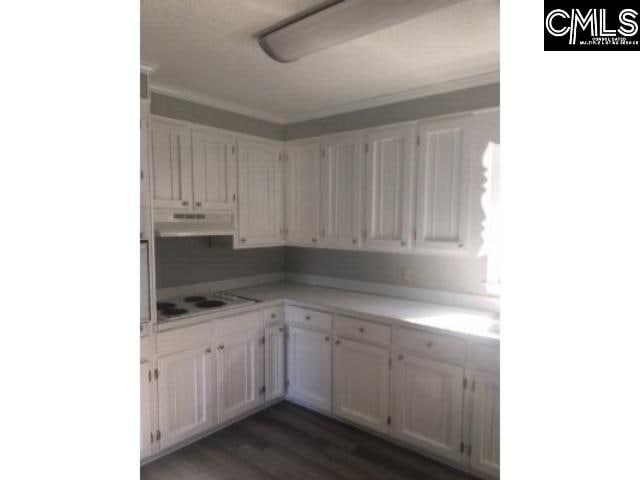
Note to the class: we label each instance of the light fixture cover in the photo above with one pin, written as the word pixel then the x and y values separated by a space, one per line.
pixel 341 22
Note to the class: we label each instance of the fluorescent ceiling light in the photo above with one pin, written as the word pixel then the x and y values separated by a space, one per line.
pixel 340 22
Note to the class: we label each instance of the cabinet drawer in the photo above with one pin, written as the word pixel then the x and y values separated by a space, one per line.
pixel 364 330
pixel 309 318
pixel 238 324
pixel 273 316
pixel 485 358
pixel 180 339
pixel 439 347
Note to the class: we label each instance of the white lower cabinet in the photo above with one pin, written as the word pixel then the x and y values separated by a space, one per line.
pixel 147 430
pixel 427 405
pixel 185 395
pixel 485 423
pixel 239 363
pixel 361 384
pixel 309 367
pixel 274 362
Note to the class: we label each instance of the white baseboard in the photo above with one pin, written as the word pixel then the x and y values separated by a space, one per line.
pixel 441 297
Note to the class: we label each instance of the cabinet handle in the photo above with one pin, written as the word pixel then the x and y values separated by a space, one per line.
pixel 429 344
pixel 198 204
pixel 338 342
pixel 400 357
pixel 308 317
pixel 243 240
pixel 361 329
pixel 208 350
pixel 314 240
pixel 354 241
pixel 281 329
pixel 403 243
pixel 185 203
pixel 326 339
pixel 273 315
pixel 234 197
pixel 221 347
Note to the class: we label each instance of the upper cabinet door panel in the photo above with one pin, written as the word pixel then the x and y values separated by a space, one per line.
pixel 442 187
pixel 389 167
pixel 171 162
pixel 303 192
pixel 260 194
pixel 214 171
pixel 342 171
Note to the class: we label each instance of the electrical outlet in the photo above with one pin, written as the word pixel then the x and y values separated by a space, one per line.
pixel 407 276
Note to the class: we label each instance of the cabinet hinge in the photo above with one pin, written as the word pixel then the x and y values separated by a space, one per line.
pixel 322 233
pixel 388 420
pixel 390 362
pixel 418 140
pixel 366 148
pixel 364 233
pixel 262 390
pixel 233 149
pixel 464 383
pixel 323 153
pixel 415 235
pixel 157 434
pixel 156 373
pixel 286 385
pixel 261 341
pixel 151 435
pixel 461 447
pixel 149 375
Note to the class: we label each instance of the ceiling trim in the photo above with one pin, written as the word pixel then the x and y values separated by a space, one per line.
pixel 435 89
pixel 204 99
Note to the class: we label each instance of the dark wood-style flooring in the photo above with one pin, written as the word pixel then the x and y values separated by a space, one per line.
pixel 292 443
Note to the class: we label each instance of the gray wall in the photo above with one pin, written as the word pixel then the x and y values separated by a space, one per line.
pixel 476 98
pixel 183 261
pixel 464 275
pixel 194 112
pixel 144 86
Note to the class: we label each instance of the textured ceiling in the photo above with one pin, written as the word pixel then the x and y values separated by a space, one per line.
pixel 208 47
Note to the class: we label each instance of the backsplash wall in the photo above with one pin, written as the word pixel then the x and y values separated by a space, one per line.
pixel 188 260
pixel 462 275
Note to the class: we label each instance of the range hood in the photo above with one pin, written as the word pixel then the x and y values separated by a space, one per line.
pixel 175 224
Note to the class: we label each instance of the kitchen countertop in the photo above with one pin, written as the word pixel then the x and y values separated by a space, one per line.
pixel 392 310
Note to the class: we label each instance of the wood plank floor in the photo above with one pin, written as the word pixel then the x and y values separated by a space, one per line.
pixel 292 443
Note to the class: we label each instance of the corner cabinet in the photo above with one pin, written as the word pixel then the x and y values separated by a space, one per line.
pixel 260 194
pixel 341 190
pixel 427 405
pixel 388 186
pixel 485 424
pixel 303 192
pixel 443 174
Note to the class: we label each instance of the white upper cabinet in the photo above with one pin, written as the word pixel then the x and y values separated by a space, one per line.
pixel 260 194
pixel 303 192
pixel 274 366
pixel 185 395
pixel 214 170
pixel 442 220
pixel 388 186
pixel 309 367
pixel 171 163
pixel 341 193
pixel 239 361
pixel 427 405
pixel 361 383
pixel 485 424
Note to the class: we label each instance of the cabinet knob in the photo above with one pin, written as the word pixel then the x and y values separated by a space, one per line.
pixel 354 241
pixel 185 203
pixel 314 240
pixel 243 240
pixel 361 329
pixel 281 329
pixel 273 315
pixel 337 342
pixel 208 350
pixel 220 347
pixel 400 357
pixel 429 344
pixel 308 317
pixel 198 204
pixel 460 245
pixel 403 243
pixel 326 339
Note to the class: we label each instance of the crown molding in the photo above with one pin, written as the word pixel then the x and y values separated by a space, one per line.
pixel 203 99
pixel 435 89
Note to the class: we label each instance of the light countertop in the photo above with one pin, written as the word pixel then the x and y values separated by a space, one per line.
pixel 391 310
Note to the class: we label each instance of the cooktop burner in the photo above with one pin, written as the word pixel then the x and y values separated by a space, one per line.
pixel 172 312
pixel 210 304
pixel 194 299
pixel 163 305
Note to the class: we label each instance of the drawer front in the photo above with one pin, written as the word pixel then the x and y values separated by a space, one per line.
pixel 438 347
pixel 363 330
pixel 238 324
pixel 273 316
pixel 180 339
pixel 485 358
pixel 309 318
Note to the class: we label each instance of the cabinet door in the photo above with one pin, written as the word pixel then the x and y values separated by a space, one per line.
pixel 427 405
pixel 147 430
pixel 361 384
pixel 341 198
pixel 171 164
pixel 442 185
pixel 388 191
pixel 309 368
pixel 260 194
pixel 274 354
pixel 239 361
pixel 184 395
pixel 303 192
pixel 214 170
pixel 485 423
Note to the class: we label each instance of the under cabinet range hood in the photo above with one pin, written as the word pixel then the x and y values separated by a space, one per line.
pixel 175 224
